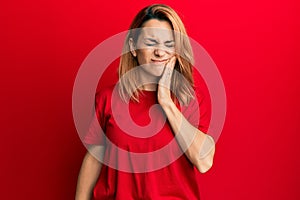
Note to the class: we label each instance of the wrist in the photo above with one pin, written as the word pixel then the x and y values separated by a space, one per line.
pixel 166 104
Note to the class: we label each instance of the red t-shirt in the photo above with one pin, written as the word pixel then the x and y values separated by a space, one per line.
pixel 177 180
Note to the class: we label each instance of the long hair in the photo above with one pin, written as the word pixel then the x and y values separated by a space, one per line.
pixel 182 82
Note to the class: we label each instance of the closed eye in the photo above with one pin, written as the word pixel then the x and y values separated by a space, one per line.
pixel 150 42
pixel 170 44
pixel 153 42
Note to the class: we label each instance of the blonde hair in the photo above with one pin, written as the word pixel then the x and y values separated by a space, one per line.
pixel 182 82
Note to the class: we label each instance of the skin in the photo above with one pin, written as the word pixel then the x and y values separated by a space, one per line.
pixel 158 60
pixel 183 130
pixel 89 173
pixel 154 51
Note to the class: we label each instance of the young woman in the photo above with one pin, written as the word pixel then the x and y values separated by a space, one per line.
pixel 155 69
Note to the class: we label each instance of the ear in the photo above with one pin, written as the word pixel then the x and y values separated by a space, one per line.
pixel 132 47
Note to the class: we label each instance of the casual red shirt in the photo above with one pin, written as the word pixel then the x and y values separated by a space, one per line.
pixel 178 180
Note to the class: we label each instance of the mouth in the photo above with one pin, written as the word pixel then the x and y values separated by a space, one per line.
pixel 159 61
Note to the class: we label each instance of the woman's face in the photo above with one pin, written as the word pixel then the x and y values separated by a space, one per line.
pixel 155 46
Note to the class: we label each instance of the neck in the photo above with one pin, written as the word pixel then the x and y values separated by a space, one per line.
pixel 147 82
pixel 149 87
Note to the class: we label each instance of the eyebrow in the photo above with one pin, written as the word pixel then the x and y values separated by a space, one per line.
pixel 169 41
pixel 151 39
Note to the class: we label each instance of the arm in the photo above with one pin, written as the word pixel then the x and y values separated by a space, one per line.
pixel 89 173
pixel 200 147
pixel 201 150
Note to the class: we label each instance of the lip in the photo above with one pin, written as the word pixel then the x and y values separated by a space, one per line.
pixel 159 61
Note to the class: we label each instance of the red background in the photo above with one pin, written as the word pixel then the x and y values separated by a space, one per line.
pixel 255 45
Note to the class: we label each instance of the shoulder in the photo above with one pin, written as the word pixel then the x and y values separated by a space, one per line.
pixel 104 94
pixel 201 91
pixel 109 94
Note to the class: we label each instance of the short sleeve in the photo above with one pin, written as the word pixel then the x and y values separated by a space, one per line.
pixel 96 130
pixel 198 112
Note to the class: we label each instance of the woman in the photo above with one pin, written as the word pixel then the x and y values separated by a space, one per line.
pixel 154 69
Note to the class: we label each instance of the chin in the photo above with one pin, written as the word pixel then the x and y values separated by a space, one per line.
pixel 154 70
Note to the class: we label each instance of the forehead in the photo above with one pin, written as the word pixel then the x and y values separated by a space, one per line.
pixel 157 29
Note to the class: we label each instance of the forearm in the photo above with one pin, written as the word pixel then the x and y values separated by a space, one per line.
pixel 199 147
pixel 88 176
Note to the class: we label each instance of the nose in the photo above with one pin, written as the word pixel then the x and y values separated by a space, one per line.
pixel 159 52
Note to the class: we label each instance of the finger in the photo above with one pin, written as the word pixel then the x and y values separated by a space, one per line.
pixel 169 66
pixel 168 71
pixel 171 63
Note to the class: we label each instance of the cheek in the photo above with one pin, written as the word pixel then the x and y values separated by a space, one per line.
pixel 144 56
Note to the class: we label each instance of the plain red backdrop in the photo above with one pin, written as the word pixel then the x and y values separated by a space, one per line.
pixel 255 45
